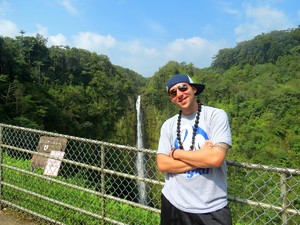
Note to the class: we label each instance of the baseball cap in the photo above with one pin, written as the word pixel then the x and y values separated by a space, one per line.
pixel 182 78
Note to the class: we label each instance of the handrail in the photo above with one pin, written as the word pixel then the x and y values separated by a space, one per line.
pixel 107 169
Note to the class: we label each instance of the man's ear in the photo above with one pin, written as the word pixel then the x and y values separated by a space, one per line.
pixel 195 89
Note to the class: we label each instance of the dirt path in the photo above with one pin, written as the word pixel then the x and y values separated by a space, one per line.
pixel 8 217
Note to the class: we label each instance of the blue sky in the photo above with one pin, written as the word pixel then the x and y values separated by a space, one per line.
pixel 144 35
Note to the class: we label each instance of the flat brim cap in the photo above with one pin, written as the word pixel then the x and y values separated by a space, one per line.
pixel 182 78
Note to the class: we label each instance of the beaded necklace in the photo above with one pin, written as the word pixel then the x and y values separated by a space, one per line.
pixel 194 129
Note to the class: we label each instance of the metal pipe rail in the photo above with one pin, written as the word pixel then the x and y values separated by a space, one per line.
pixel 106 188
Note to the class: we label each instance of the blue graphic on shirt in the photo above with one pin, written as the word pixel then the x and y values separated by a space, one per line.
pixel 200 171
pixel 200 137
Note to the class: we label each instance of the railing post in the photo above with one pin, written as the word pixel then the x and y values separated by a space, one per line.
pixel 284 198
pixel 102 150
pixel 1 171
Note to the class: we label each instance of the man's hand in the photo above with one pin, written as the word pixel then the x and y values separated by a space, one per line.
pixel 209 156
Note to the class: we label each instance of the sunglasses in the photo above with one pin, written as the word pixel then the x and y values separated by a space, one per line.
pixel 181 87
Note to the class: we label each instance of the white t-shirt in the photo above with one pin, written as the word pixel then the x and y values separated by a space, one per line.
pixel 201 190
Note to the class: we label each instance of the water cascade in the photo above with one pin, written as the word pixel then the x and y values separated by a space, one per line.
pixel 140 155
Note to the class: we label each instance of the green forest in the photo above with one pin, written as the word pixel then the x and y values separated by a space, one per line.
pixel 77 92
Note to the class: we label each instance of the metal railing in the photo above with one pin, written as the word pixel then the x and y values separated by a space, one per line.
pixel 61 179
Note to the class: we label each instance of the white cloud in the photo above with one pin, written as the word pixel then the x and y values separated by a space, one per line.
pixel 259 20
pixel 58 39
pixel 142 65
pixel 196 50
pixel 136 56
pixel 146 61
pixel 136 48
pixel 192 44
pixel 42 30
pixel 8 28
pixel 69 7
pixel 94 42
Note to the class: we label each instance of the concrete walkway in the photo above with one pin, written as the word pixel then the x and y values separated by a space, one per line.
pixel 8 217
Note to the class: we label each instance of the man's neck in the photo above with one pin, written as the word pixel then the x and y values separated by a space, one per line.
pixel 192 109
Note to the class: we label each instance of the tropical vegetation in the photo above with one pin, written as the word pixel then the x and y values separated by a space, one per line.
pixel 77 92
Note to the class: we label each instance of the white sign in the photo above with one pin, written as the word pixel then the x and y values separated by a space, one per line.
pixel 52 165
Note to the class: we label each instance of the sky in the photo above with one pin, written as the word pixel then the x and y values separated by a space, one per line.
pixel 144 35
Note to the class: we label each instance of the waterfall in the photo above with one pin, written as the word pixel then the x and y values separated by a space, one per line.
pixel 140 155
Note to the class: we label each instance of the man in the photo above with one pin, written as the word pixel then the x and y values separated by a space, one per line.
pixel 192 150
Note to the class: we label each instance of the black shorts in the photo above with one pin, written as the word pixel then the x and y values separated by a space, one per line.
pixel 170 215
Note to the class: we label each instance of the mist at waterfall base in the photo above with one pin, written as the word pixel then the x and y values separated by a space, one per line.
pixel 140 165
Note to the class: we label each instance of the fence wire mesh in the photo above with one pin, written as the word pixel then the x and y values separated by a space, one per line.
pixel 269 195
pixel 60 179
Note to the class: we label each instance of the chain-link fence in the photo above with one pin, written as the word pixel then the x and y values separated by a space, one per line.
pixel 60 179
pixel 263 194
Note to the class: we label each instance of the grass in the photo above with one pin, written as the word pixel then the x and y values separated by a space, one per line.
pixel 86 201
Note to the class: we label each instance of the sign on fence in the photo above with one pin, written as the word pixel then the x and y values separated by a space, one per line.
pixel 54 146
pixel 52 165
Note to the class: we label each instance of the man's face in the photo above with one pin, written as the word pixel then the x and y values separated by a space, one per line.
pixel 183 95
